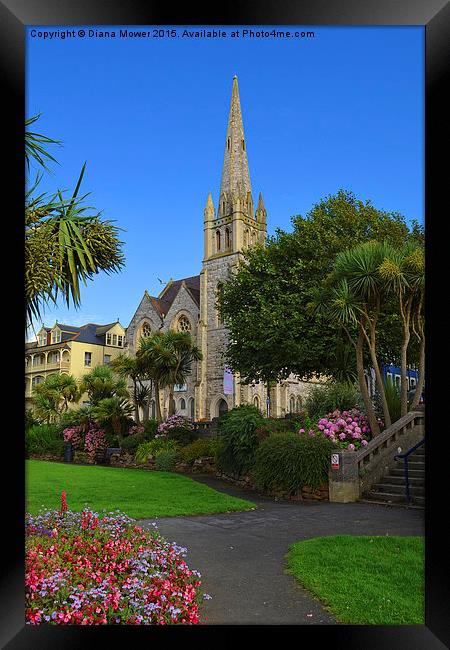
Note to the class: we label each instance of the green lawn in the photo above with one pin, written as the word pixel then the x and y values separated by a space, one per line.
pixel 364 580
pixel 140 494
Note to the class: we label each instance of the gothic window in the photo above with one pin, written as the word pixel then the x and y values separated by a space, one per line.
pixel 243 145
pixel 228 144
pixel 227 238
pixel 182 404
pixel 218 318
pixel 217 241
pixel 192 408
pixel 245 238
pixel 184 324
pixel 253 237
pixel 292 404
pixel 299 404
pixel 146 330
pixel 256 401
pixel 222 407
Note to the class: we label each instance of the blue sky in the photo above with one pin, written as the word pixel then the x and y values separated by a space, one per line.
pixel 342 110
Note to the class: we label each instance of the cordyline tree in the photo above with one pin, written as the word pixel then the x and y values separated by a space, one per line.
pixel 66 242
pixel 52 397
pixel 167 358
pixel 134 369
pixel 272 331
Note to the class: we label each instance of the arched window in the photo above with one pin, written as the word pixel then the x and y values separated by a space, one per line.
pixel 299 404
pixel 184 324
pixel 243 145
pixel 192 408
pixel 146 330
pixel 153 409
pixel 256 402
pixel 292 404
pixel 227 238
pixel 37 380
pixel 182 404
pixel 228 143
pixel 245 238
pixel 253 238
pixel 217 241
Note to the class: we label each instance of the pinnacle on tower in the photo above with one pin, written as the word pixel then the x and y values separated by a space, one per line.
pixel 235 173
pixel 261 212
pixel 209 210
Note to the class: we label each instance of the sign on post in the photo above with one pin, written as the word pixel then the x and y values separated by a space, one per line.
pixel 334 461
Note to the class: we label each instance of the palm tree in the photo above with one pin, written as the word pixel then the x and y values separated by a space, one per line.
pixel 63 245
pixel 168 358
pixel 112 411
pixel 52 397
pixel 100 383
pixel 133 368
pixel 403 274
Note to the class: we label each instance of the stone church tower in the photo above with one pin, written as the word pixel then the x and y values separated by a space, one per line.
pixel 189 304
pixel 229 230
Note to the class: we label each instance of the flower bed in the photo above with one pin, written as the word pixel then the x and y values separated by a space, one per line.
pixel 88 569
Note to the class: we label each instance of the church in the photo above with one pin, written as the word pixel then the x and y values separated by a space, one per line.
pixel 189 304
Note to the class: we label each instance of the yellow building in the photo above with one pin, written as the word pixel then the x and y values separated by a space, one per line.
pixel 70 350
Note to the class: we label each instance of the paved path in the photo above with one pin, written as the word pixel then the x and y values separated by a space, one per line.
pixel 241 555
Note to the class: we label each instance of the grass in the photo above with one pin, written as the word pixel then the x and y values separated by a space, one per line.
pixel 364 580
pixel 140 494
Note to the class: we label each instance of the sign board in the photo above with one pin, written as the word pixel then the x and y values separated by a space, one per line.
pixel 227 381
pixel 334 461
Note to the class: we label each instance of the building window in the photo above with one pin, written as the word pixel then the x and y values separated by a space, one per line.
pixel 412 382
pixel 292 404
pixel 87 358
pixel 182 404
pixel 114 339
pixel 146 330
pixel 397 380
pixel 299 404
pixel 192 408
pixel 108 339
pixel 227 238
pixel 107 359
pixel 120 341
pixel 37 380
pixel 243 145
pixel 54 357
pixel 228 143
pixel 217 240
pixel 256 402
pixel 245 238
pixel 42 339
pixel 184 324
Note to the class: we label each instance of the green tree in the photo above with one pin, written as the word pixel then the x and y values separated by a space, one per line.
pixel 134 369
pixel 66 242
pixel 52 397
pixel 101 383
pixel 168 358
pixel 265 303
pixel 113 411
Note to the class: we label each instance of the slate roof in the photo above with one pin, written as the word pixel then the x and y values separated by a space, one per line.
pixel 89 333
pixel 168 294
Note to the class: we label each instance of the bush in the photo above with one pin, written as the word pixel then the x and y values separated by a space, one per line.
pixel 30 419
pixel 150 429
pixel 329 397
pixel 182 435
pixel 165 461
pixel 239 440
pixel 347 429
pixel 44 439
pixel 174 422
pixel 198 449
pixel 290 461
pixel 151 448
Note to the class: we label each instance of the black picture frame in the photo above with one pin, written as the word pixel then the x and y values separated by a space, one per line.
pixel 434 15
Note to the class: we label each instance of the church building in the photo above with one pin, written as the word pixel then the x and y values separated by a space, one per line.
pixel 189 304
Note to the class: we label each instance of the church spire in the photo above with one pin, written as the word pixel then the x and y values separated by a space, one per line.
pixel 235 174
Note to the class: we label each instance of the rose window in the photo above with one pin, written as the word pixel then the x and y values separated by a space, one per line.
pixel 146 330
pixel 184 324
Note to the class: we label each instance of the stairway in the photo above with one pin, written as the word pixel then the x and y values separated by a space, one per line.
pixel 391 490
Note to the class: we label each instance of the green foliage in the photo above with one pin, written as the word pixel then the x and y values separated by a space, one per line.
pixel 326 398
pixel 101 383
pixel 151 448
pixel 290 461
pixel 392 393
pixel 30 419
pixel 183 435
pixel 265 305
pixel 52 397
pixel 165 461
pixel 237 429
pixel 150 428
pixel 198 449
pixel 64 245
pixel 44 439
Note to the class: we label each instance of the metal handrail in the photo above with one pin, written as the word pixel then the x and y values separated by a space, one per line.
pixel 405 458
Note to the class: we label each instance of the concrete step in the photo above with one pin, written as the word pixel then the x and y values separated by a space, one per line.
pixel 413 473
pixel 398 489
pixel 414 506
pixel 387 497
pixel 400 480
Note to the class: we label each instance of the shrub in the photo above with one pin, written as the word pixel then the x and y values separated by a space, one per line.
pixel 348 430
pixel 392 393
pixel 237 429
pixel 150 428
pixel 198 449
pixel 165 461
pixel 182 435
pixel 151 448
pixel 95 442
pixel 69 577
pixel 175 421
pixel 30 419
pixel 290 461
pixel 44 439
pixel 329 397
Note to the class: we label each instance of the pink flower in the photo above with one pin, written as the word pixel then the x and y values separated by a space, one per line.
pixel 351 447
pixel 364 442
pixel 302 431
